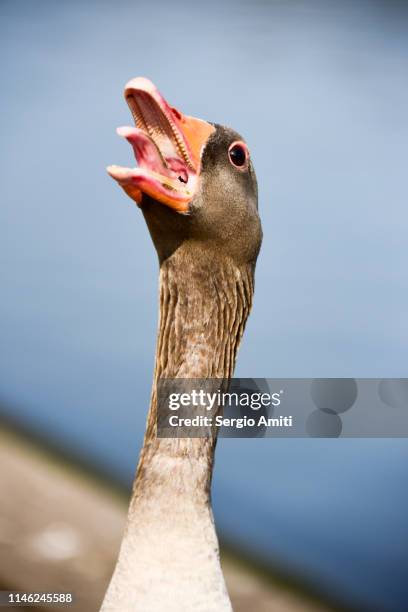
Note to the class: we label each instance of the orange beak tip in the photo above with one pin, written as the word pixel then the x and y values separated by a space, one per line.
pixel 111 170
pixel 124 131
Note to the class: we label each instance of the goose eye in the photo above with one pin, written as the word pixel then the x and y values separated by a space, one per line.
pixel 238 155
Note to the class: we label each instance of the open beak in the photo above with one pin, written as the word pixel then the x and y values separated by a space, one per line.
pixel 167 146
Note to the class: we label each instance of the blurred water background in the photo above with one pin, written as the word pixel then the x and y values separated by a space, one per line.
pixel 320 92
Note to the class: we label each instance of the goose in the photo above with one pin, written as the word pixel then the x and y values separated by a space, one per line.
pixel 196 187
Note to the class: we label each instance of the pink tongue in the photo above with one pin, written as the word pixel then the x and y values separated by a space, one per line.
pixel 145 150
pixel 178 167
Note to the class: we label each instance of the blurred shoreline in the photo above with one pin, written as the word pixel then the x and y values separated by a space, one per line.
pixel 61 525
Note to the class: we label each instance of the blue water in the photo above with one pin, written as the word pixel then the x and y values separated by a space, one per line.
pixel 320 91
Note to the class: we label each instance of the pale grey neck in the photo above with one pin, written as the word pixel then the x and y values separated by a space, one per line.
pixel 203 311
pixel 202 316
pixel 169 558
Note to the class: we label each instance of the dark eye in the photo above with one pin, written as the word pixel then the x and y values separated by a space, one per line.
pixel 238 154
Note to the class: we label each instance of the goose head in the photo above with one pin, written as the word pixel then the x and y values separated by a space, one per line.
pixel 194 180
